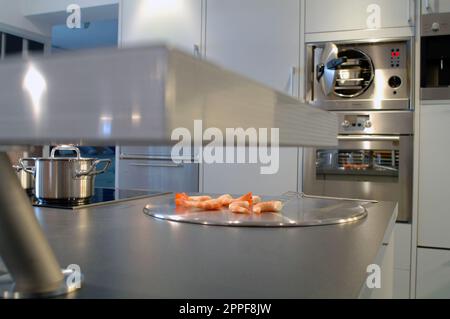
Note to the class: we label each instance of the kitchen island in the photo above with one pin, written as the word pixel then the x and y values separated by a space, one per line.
pixel 124 253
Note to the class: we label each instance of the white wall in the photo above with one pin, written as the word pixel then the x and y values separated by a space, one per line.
pixel 12 20
pixel 34 7
pixel 176 22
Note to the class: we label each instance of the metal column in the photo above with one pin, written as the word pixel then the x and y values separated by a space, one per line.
pixel 24 249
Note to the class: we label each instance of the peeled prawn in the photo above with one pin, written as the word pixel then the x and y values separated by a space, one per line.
pixel 256 199
pixel 271 206
pixel 240 207
pixel 211 204
pixel 196 198
pixel 182 198
pixel 246 197
pixel 200 198
pixel 225 199
pixel 237 205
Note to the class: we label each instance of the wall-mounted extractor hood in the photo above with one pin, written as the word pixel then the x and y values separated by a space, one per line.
pixel 140 95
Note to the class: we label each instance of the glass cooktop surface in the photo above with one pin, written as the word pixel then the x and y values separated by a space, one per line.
pixel 102 196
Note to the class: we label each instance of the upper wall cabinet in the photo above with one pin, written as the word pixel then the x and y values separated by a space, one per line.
pixel 435 6
pixel 177 22
pixel 259 39
pixel 352 15
pixel 256 38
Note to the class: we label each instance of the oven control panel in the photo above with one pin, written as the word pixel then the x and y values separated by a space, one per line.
pixel 395 57
pixel 352 123
pixel 375 123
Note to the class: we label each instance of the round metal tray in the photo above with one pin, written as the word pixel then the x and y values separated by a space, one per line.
pixel 302 210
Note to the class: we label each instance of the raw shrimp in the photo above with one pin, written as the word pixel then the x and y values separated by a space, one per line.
pixel 240 207
pixel 272 206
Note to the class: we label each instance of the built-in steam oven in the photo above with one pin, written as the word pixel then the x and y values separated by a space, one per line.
pixel 359 76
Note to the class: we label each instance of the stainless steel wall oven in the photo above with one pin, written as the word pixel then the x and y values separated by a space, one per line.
pixel 368 85
pixel 435 56
pixel 372 161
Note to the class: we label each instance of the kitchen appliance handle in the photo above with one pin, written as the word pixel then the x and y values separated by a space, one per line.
pixel 158 164
pixel 65 148
pixel 408 11
pixel 155 157
pixel 26 168
pixel 368 138
pixel 388 168
pixel 333 64
pixel 197 53
pixel 93 169
pixel 293 72
pixel 320 70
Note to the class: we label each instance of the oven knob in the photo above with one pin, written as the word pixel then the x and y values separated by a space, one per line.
pixel 368 124
pixel 345 124
pixel 435 27
pixel 394 81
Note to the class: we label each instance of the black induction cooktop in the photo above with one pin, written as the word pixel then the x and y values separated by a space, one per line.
pixel 102 196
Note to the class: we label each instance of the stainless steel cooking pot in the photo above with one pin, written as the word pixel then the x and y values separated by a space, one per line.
pixel 64 179
pixel 26 179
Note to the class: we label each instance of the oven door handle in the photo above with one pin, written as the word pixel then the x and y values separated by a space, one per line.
pixel 368 138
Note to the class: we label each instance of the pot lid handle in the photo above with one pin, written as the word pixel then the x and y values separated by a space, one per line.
pixel 65 148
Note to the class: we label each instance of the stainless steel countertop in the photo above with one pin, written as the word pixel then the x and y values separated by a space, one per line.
pixel 124 253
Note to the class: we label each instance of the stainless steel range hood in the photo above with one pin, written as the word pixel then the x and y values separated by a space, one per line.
pixel 140 95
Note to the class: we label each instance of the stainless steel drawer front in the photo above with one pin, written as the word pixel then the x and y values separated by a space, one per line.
pixel 148 172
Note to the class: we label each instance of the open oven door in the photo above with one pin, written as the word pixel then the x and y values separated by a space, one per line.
pixel 326 68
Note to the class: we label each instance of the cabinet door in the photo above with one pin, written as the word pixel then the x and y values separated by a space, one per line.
pixel 347 15
pixel 259 39
pixel 243 178
pixel 433 273
pixel 435 6
pixel 434 176
pixel 256 38
pixel 158 175
pixel 401 284
pixel 177 22
pixel 402 246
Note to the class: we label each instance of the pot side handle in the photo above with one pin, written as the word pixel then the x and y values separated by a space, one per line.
pixel 93 169
pixel 27 168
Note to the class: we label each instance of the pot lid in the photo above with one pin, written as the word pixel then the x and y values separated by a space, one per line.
pixel 75 157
